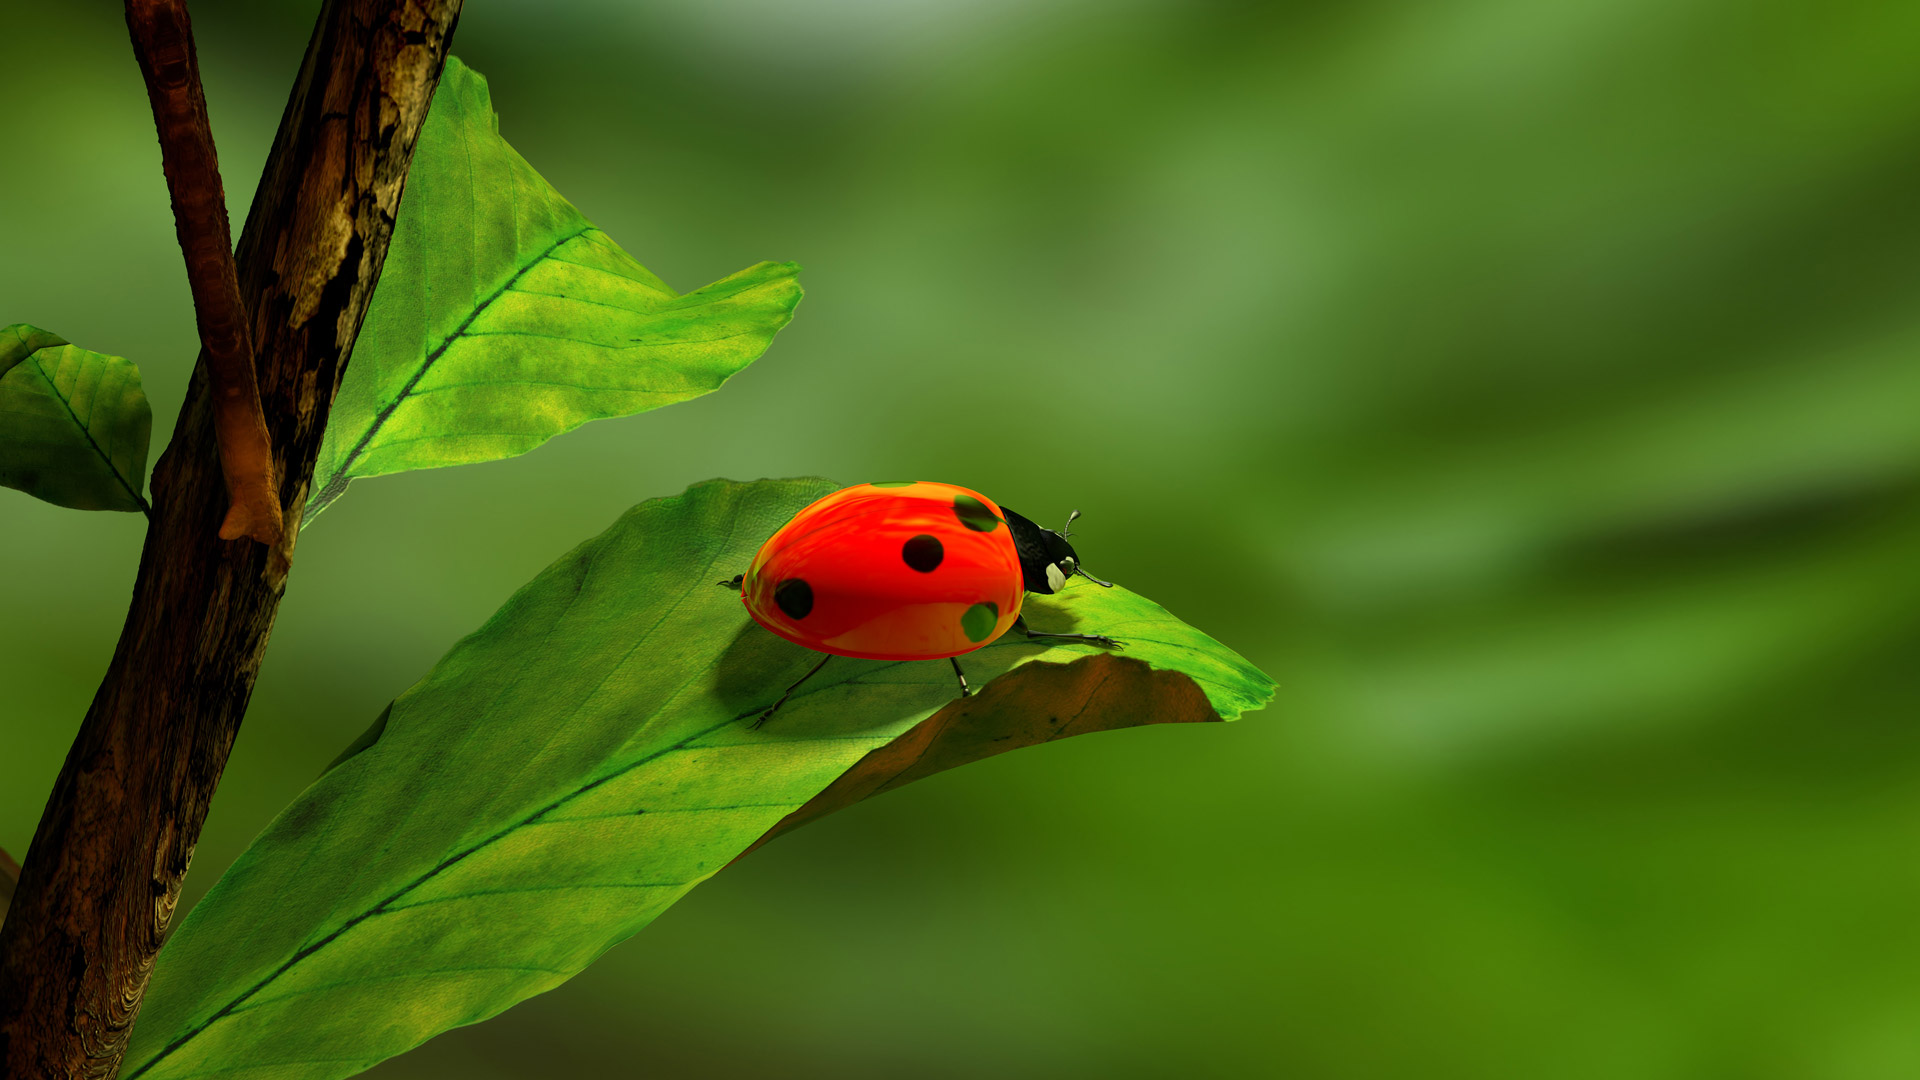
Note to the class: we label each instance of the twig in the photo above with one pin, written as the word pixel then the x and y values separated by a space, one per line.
pixel 163 44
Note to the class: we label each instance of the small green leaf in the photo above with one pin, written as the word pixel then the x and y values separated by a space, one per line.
pixel 504 318
pixel 582 761
pixel 74 424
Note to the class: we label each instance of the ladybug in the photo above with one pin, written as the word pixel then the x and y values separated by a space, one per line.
pixel 909 570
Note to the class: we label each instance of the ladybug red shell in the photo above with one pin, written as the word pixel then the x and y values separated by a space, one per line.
pixel 893 571
pixel 905 571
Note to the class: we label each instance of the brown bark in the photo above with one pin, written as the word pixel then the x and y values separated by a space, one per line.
pixel 163 45
pixel 98 887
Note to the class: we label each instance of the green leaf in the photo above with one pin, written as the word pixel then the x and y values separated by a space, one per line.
pixel 74 424
pixel 579 763
pixel 504 318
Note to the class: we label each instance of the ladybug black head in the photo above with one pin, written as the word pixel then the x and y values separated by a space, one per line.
pixel 1046 559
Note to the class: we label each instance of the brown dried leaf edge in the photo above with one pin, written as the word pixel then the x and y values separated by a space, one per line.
pixel 1033 704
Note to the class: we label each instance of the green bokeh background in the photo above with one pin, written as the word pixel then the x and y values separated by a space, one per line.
pixel 1533 388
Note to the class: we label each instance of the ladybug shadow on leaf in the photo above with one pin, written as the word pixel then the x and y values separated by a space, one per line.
pixel 854 697
pixel 1046 615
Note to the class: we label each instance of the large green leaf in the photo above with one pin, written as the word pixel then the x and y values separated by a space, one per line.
pixel 74 424
pixel 504 318
pixel 578 764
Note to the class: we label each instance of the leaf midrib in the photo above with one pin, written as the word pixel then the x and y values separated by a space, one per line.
pixel 337 483
pixel 53 389
pixel 384 907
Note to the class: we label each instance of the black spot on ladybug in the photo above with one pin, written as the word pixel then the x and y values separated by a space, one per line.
pixel 893 483
pixel 979 621
pixel 974 514
pixel 923 553
pixel 795 597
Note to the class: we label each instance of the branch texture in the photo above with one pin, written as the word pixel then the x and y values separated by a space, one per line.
pixel 163 44
pixel 99 884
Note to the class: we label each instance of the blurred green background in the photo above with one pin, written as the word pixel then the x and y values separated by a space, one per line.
pixel 1533 388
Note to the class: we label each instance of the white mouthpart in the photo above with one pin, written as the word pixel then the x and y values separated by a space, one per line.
pixel 1055 579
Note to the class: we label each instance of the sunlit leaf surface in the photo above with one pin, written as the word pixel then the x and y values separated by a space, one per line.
pixel 504 318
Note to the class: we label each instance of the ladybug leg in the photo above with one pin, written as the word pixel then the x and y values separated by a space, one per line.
pixel 732 582
pixel 1105 642
pixel 765 716
pixel 964 690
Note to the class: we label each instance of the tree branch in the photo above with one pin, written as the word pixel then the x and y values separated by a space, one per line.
pixel 99 884
pixel 163 44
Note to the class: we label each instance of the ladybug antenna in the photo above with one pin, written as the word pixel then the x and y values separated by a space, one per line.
pixel 1073 562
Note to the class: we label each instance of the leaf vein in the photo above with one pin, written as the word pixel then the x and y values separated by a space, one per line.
pixel 380 418
pixel 54 388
